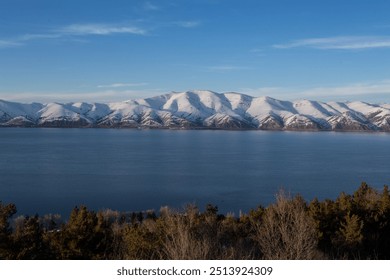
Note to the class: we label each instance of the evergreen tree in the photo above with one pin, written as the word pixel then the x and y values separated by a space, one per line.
pixel 28 240
pixel 351 231
pixel 82 237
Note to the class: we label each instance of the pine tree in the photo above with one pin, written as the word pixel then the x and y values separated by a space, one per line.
pixel 351 230
pixel 351 237
pixel 78 238
pixel 28 240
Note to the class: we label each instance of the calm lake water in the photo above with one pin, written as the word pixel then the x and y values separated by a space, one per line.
pixel 53 170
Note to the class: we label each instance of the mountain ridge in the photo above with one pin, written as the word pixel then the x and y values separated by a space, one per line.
pixel 202 109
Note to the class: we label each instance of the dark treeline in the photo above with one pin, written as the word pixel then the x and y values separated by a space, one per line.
pixel 353 226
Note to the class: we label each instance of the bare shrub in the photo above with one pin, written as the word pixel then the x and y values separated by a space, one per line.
pixel 286 231
pixel 181 239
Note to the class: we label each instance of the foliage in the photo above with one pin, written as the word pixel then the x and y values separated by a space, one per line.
pixel 355 226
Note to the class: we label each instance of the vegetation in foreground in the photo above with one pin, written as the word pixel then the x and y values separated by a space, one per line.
pixel 353 226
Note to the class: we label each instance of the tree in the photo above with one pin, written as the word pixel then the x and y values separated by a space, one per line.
pixel 142 241
pixel 351 230
pixel 6 212
pixel 28 240
pixel 85 236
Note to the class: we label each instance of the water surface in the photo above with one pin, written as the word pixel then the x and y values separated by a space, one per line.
pixel 53 170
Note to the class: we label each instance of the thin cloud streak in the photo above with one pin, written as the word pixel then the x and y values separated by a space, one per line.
pixel 29 37
pixel 225 68
pixel 8 44
pixel 87 29
pixel 339 43
pixel 119 85
pixel 99 29
pixel 357 91
pixel 74 30
pixel 104 96
pixel 148 6
pixel 188 24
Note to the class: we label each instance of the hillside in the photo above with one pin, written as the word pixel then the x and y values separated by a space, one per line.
pixel 202 109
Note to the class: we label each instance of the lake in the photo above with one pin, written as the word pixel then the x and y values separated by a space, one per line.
pixel 52 170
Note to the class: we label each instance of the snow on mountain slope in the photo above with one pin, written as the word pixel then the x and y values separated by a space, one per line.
pixel 156 102
pixel 316 113
pixel 386 106
pixel 20 121
pixel 56 114
pixel 122 114
pixel 10 110
pixel 203 109
pixel 239 103
pixel 312 109
pixel 363 107
pixel 199 105
pixel 187 105
pixel 54 111
pixel 94 111
pixel 377 115
pixel 339 107
pixel 301 122
pixel 270 111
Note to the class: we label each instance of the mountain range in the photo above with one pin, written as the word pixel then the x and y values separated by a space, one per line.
pixel 202 109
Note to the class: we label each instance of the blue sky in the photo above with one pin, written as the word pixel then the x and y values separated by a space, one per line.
pixel 114 50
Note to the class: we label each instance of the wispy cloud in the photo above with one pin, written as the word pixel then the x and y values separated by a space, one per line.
pixel 357 91
pixel 150 6
pixel 74 30
pixel 79 30
pixel 8 44
pixel 373 88
pixel 120 85
pixel 257 52
pixel 264 91
pixel 225 68
pixel 106 96
pixel 364 91
pixel 29 37
pixel 340 43
pixel 21 40
pixel 99 29
pixel 188 24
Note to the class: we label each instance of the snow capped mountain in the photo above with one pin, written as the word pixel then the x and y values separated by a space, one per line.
pixel 11 110
pixel 202 109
